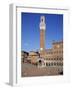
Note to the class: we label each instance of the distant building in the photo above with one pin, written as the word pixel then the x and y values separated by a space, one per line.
pixel 54 55
pixel 56 52
pixel 33 56
pixel 24 56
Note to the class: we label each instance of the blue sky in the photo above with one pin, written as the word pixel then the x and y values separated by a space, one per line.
pixel 30 32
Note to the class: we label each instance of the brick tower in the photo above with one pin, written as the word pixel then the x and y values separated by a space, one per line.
pixel 42 34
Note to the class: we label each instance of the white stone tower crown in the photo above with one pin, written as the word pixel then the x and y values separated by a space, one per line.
pixel 42 23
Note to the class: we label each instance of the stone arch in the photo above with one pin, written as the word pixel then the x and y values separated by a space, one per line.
pixel 41 62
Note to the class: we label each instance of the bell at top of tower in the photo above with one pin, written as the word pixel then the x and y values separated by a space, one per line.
pixel 43 19
pixel 42 23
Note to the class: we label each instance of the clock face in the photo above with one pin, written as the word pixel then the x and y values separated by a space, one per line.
pixel 41 49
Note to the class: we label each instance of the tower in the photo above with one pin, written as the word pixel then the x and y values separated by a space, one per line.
pixel 42 33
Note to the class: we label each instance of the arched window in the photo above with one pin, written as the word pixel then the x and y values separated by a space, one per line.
pixel 57 63
pixel 54 59
pixel 57 58
pixel 46 64
pixel 51 58
pixel 54 63
pixel 51 64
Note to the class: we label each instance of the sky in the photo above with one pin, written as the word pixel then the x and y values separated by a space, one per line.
pixel 30 31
